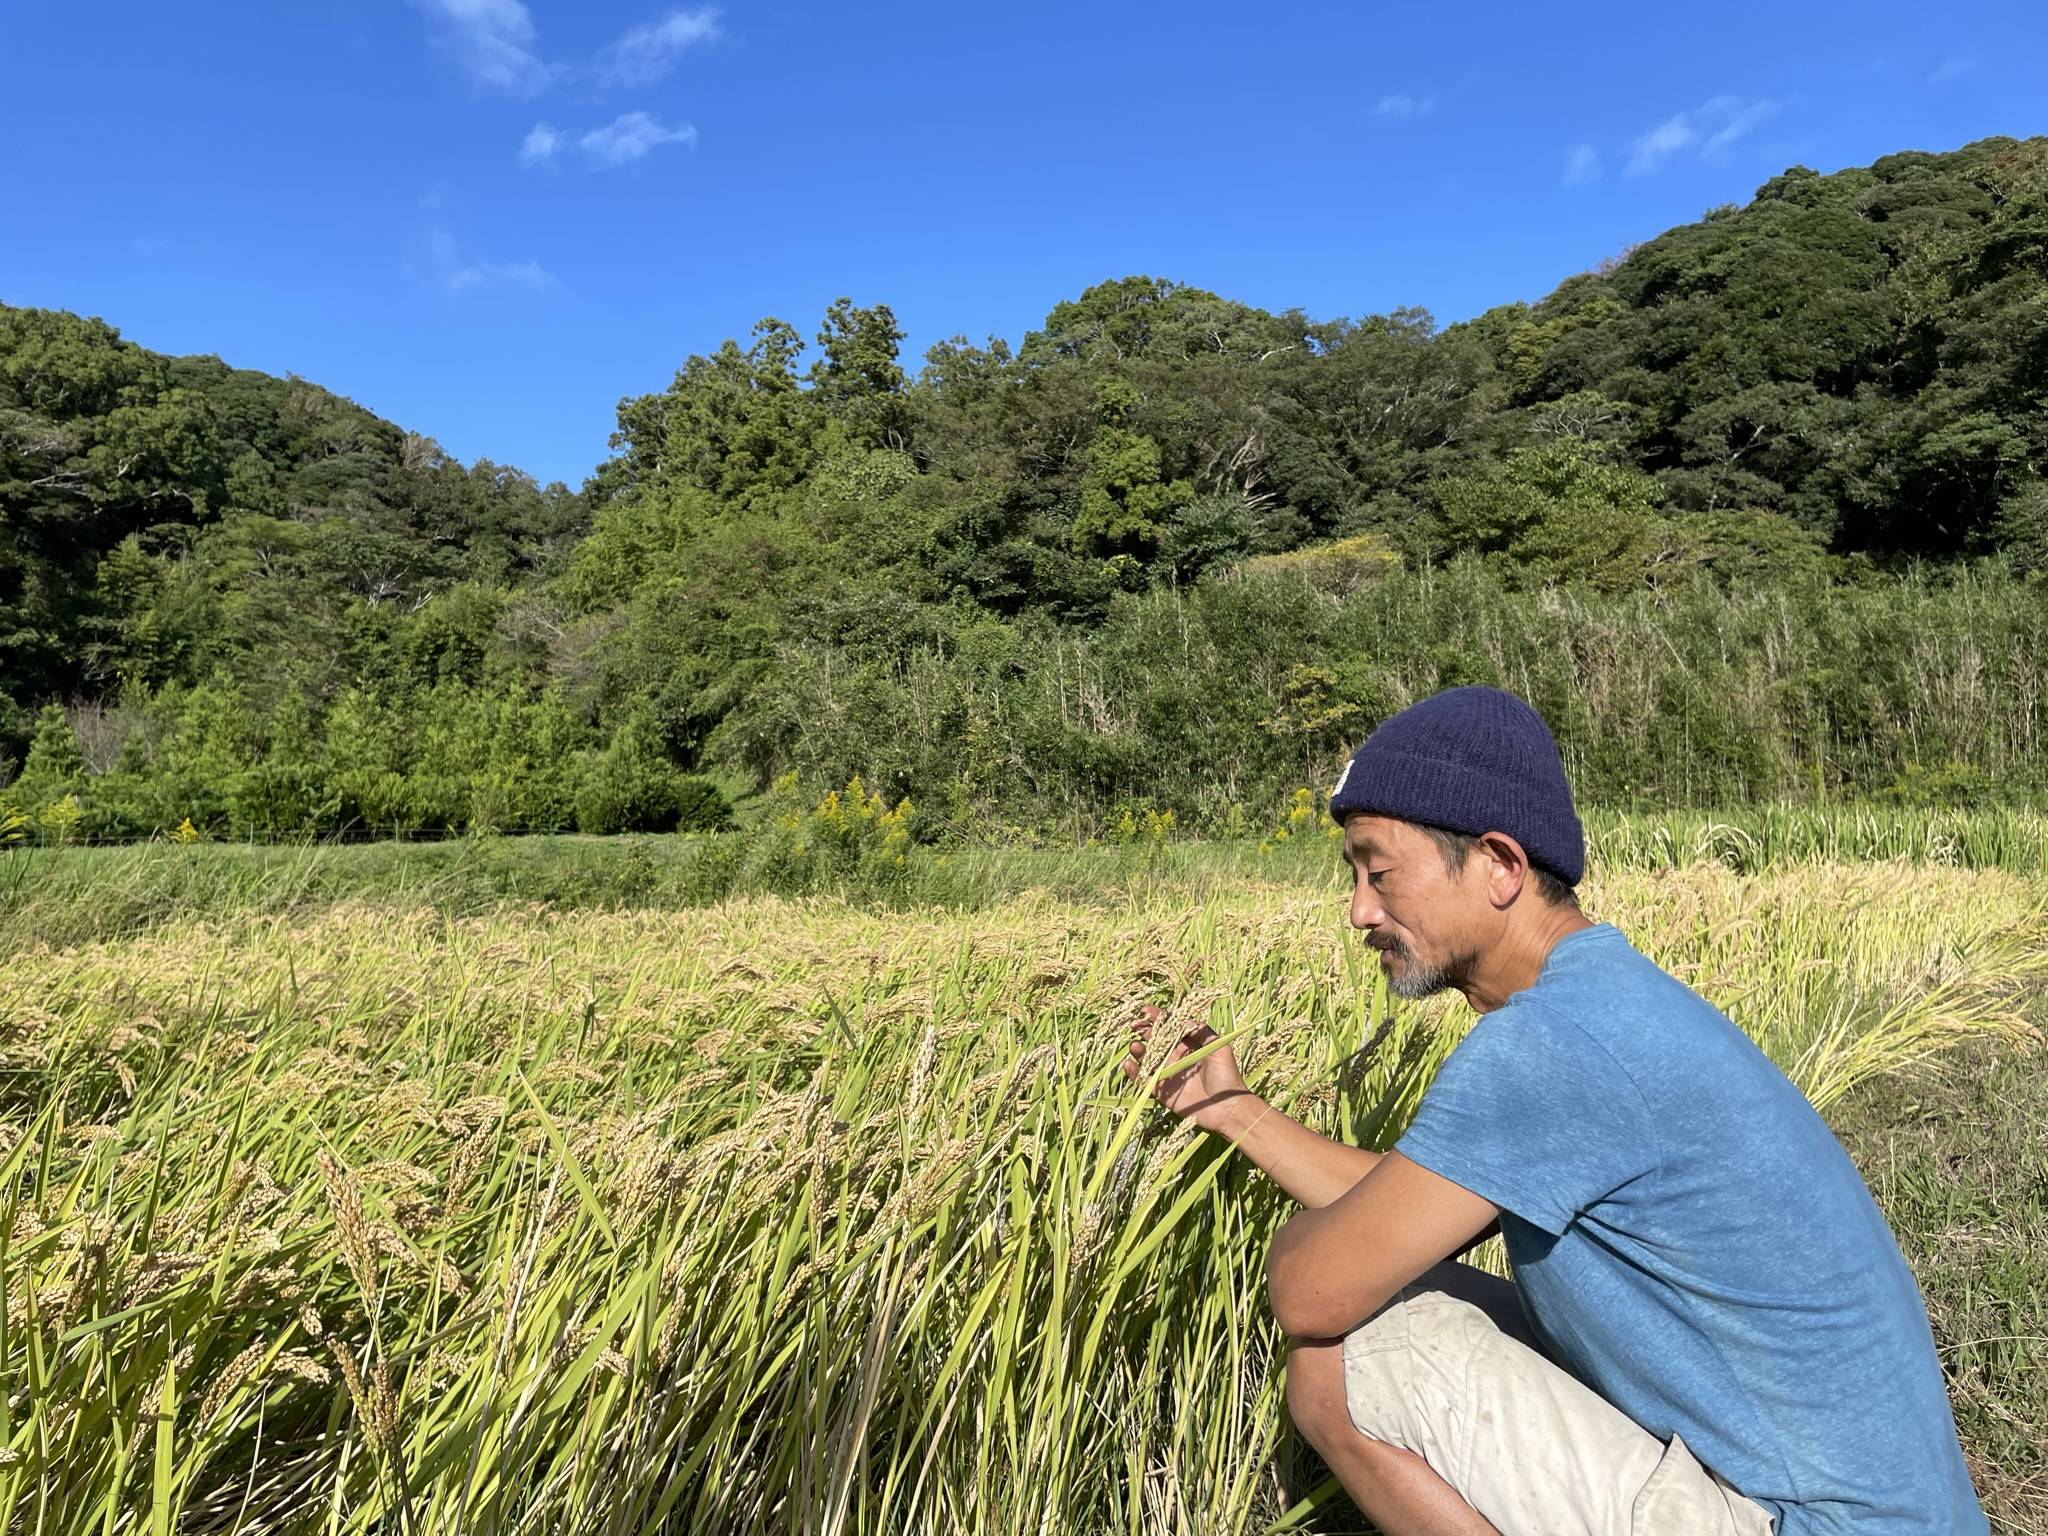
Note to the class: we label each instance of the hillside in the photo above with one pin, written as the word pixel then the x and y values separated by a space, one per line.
pixel 164 516
pixel 1847 375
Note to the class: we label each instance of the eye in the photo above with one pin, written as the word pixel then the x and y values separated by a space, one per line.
pixel 1373 877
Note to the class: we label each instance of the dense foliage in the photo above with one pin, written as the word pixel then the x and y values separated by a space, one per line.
pixel 1759 506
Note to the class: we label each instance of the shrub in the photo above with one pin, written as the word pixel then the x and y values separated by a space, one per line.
pixel 278 799
pixel 1339 568
pixel 55 766
pixel 372 797
pixel 701 806
pixel 59 819
pixel 13 823
pixel 1954 783
pixel 1306 811
pixel 852 838
pixel 630 786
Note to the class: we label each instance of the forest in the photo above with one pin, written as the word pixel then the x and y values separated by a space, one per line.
pixel 1756 509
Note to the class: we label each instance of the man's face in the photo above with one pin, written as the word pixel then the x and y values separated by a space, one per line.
pixel 1412 907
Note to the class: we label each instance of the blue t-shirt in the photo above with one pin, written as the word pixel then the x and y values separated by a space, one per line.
pixel 1691 1241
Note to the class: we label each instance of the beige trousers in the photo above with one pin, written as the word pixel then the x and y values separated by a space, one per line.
pixel 1449 1370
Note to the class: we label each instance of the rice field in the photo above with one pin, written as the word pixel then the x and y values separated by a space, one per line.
pixel 768 1215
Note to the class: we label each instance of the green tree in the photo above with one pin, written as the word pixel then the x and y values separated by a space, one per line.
pixel 1566 508
pixel 1125 502
pixel 55 766
pixel 857 378
pixel 630 786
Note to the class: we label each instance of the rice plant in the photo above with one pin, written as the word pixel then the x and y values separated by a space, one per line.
pixel 758 1217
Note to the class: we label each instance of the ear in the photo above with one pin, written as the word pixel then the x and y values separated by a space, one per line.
pixel 1505 865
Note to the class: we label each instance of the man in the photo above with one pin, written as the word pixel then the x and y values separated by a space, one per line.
pixel 1710 1329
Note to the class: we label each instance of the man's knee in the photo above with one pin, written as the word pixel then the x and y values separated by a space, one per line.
pixel 1391 1373
pixel 1383 1381
pixel 1316 1399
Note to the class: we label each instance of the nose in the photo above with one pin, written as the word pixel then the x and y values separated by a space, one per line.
pixel 1366 912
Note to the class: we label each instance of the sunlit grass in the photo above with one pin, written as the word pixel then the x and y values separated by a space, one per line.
pixel 74 895
pixel 767 1216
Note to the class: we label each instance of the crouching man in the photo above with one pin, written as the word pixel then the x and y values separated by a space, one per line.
pixel 1710 1327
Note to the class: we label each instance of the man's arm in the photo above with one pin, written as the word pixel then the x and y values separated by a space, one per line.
pixel 1311 1167
pixel 1211 1092
pixel 1334 1266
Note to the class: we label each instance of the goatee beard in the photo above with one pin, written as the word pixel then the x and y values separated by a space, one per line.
pixel 1419 981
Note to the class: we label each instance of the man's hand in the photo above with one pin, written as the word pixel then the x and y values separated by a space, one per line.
pixel 1209 1093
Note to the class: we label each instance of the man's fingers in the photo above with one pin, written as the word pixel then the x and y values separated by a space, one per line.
pixel 1168 1088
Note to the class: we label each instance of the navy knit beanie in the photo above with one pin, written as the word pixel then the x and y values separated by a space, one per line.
pixel 1469 760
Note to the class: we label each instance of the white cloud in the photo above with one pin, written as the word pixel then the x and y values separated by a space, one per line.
pixel 523 274
pixel 627 138
pixel 1581 165
pixel 645 53
pixel 1736 117
pixel 458 273
pixel 1405 106
pixel 631 137
pixel 1952 68
pixel 493 41
pixel 1711 128
pixel 1660 144
pixel 542 140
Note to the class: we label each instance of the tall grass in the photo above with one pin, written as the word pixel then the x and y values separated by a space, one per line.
pixel 1214 702
pixel 74 895
pixel 1931 686
pixel 1761 837
pixel 768 1216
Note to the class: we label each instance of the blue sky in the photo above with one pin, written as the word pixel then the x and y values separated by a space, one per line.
pixel 488 220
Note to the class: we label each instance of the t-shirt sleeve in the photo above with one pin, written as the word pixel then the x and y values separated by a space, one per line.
pixel 1534 1115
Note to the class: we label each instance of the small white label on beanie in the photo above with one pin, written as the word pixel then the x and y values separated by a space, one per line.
pixel 1338 788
